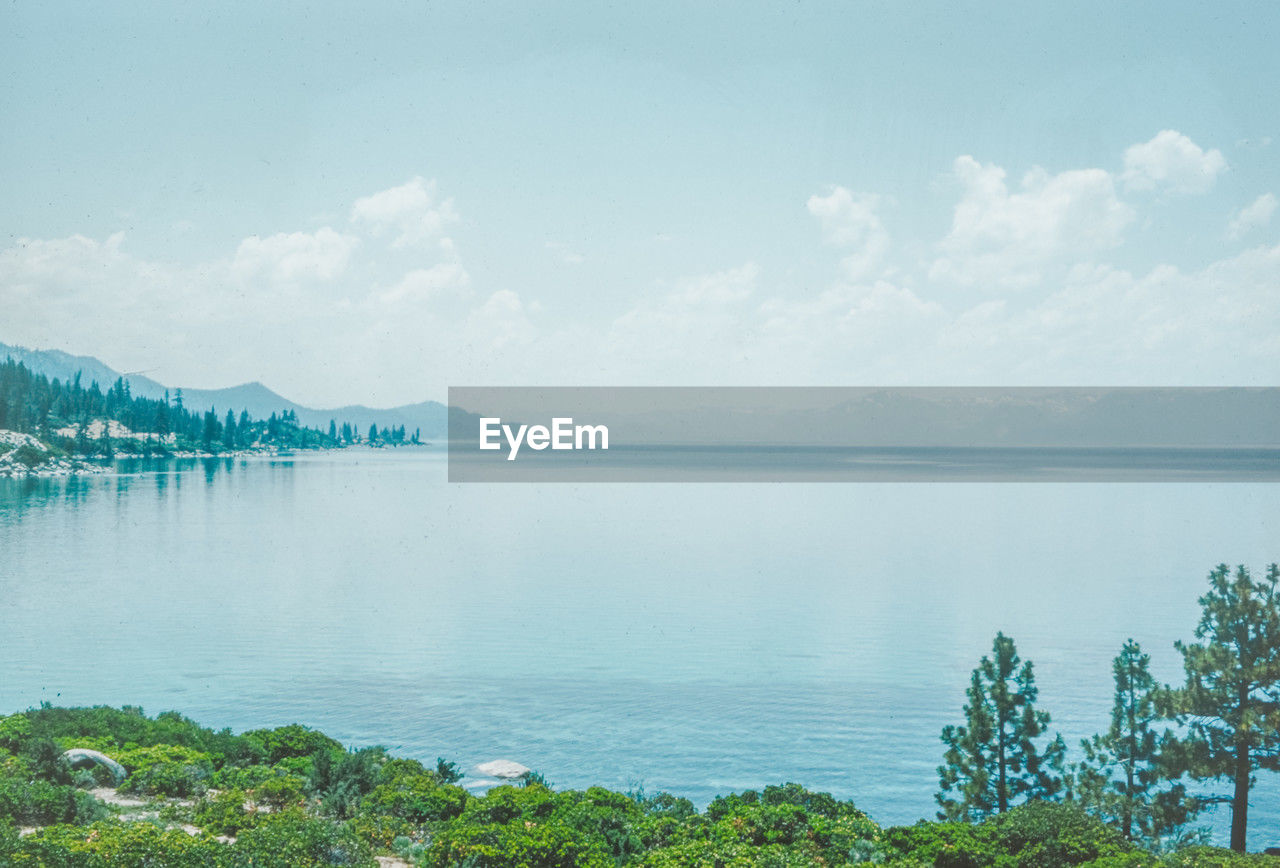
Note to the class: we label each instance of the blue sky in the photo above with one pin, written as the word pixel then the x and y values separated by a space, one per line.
pixel 371 204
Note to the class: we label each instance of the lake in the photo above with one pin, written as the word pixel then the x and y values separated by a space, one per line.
pixel 691 638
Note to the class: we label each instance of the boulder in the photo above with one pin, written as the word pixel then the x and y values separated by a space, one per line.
pixel 507 770
pixel 82 757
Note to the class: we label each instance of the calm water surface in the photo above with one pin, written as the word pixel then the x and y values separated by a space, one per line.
pixel 691 638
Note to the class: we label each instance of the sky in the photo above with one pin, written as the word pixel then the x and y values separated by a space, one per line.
pixel 372 202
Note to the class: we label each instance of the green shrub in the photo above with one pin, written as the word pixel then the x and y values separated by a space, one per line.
pixel 418 800
pixel 524 844
pixel 40 803
pixel 242 777
pixel 294 740
pixel 43 757
pixel 116 845
pixel 946 845
pixel 29 455
pixel 224 813
pixel 14 730
pixel 291 839
pixel 1053 834
pixel 279 792
pixel 342 780
pixel 1214 857
pixel 166 770
pixel 110 729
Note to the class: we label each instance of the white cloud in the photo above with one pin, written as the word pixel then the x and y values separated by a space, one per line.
pixel 410 213
pixel 851 220
pixel 422 284
pixel 1005 240
pixel 1172 161
pixel 294 256
pixel 1255 215
pixel 1213 326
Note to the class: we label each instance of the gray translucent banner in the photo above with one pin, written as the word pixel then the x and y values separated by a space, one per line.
pixel 834 434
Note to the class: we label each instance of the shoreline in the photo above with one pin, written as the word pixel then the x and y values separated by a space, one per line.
pixel 64 467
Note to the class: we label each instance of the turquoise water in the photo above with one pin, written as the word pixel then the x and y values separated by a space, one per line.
pixel 691 638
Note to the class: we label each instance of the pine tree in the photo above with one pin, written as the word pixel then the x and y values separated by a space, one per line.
pixel 1126 769
pixel 1231 700
pixel 992 762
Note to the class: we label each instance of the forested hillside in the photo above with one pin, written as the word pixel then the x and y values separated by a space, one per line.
pixel 86 420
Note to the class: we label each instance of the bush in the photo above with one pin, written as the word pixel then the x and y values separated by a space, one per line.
pixel 343 781
pixel 292 741
pixel 242 777
pixel 116 845
pixel 40 803
pixel 110 729
pixel 224 814
pixel 29 455
pixel 14 730
pixel 945 845
pixel 525 844
pixel 291 839
pixel 44 758
pixel 1213 857
pixel 1053 834
pixel 166 770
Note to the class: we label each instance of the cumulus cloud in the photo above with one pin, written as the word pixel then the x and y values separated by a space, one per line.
pixel 1255 215
pixel 1005 240
pixel 411 214
pixel 1171 161
pixel 851 220
pixel 294 256
pixel 423 284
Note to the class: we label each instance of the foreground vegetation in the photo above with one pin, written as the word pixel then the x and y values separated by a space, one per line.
pixel 291 796
pixel 294 797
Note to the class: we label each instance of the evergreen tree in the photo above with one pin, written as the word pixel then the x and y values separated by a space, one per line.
pixel 333 430
pixel 373 433
pixel 1231 700
pixel 1123 778
pixel 229 430
pixel 992 761
pixel 211 427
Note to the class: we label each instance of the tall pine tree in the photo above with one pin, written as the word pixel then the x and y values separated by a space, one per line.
pixel 1125 777
pixel 1231 700
pixel 992 761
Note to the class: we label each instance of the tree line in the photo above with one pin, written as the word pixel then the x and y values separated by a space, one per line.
pixel 1221 724
pixel 34 404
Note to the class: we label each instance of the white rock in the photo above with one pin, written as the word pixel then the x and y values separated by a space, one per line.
pixel 79 757
pixel 507 770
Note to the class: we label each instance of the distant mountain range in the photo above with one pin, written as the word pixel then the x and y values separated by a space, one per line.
pixel 428 417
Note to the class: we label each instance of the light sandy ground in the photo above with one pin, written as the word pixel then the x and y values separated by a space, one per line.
pixel 111 797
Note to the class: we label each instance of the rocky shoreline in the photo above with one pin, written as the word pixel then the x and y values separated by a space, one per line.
pixel 23 456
